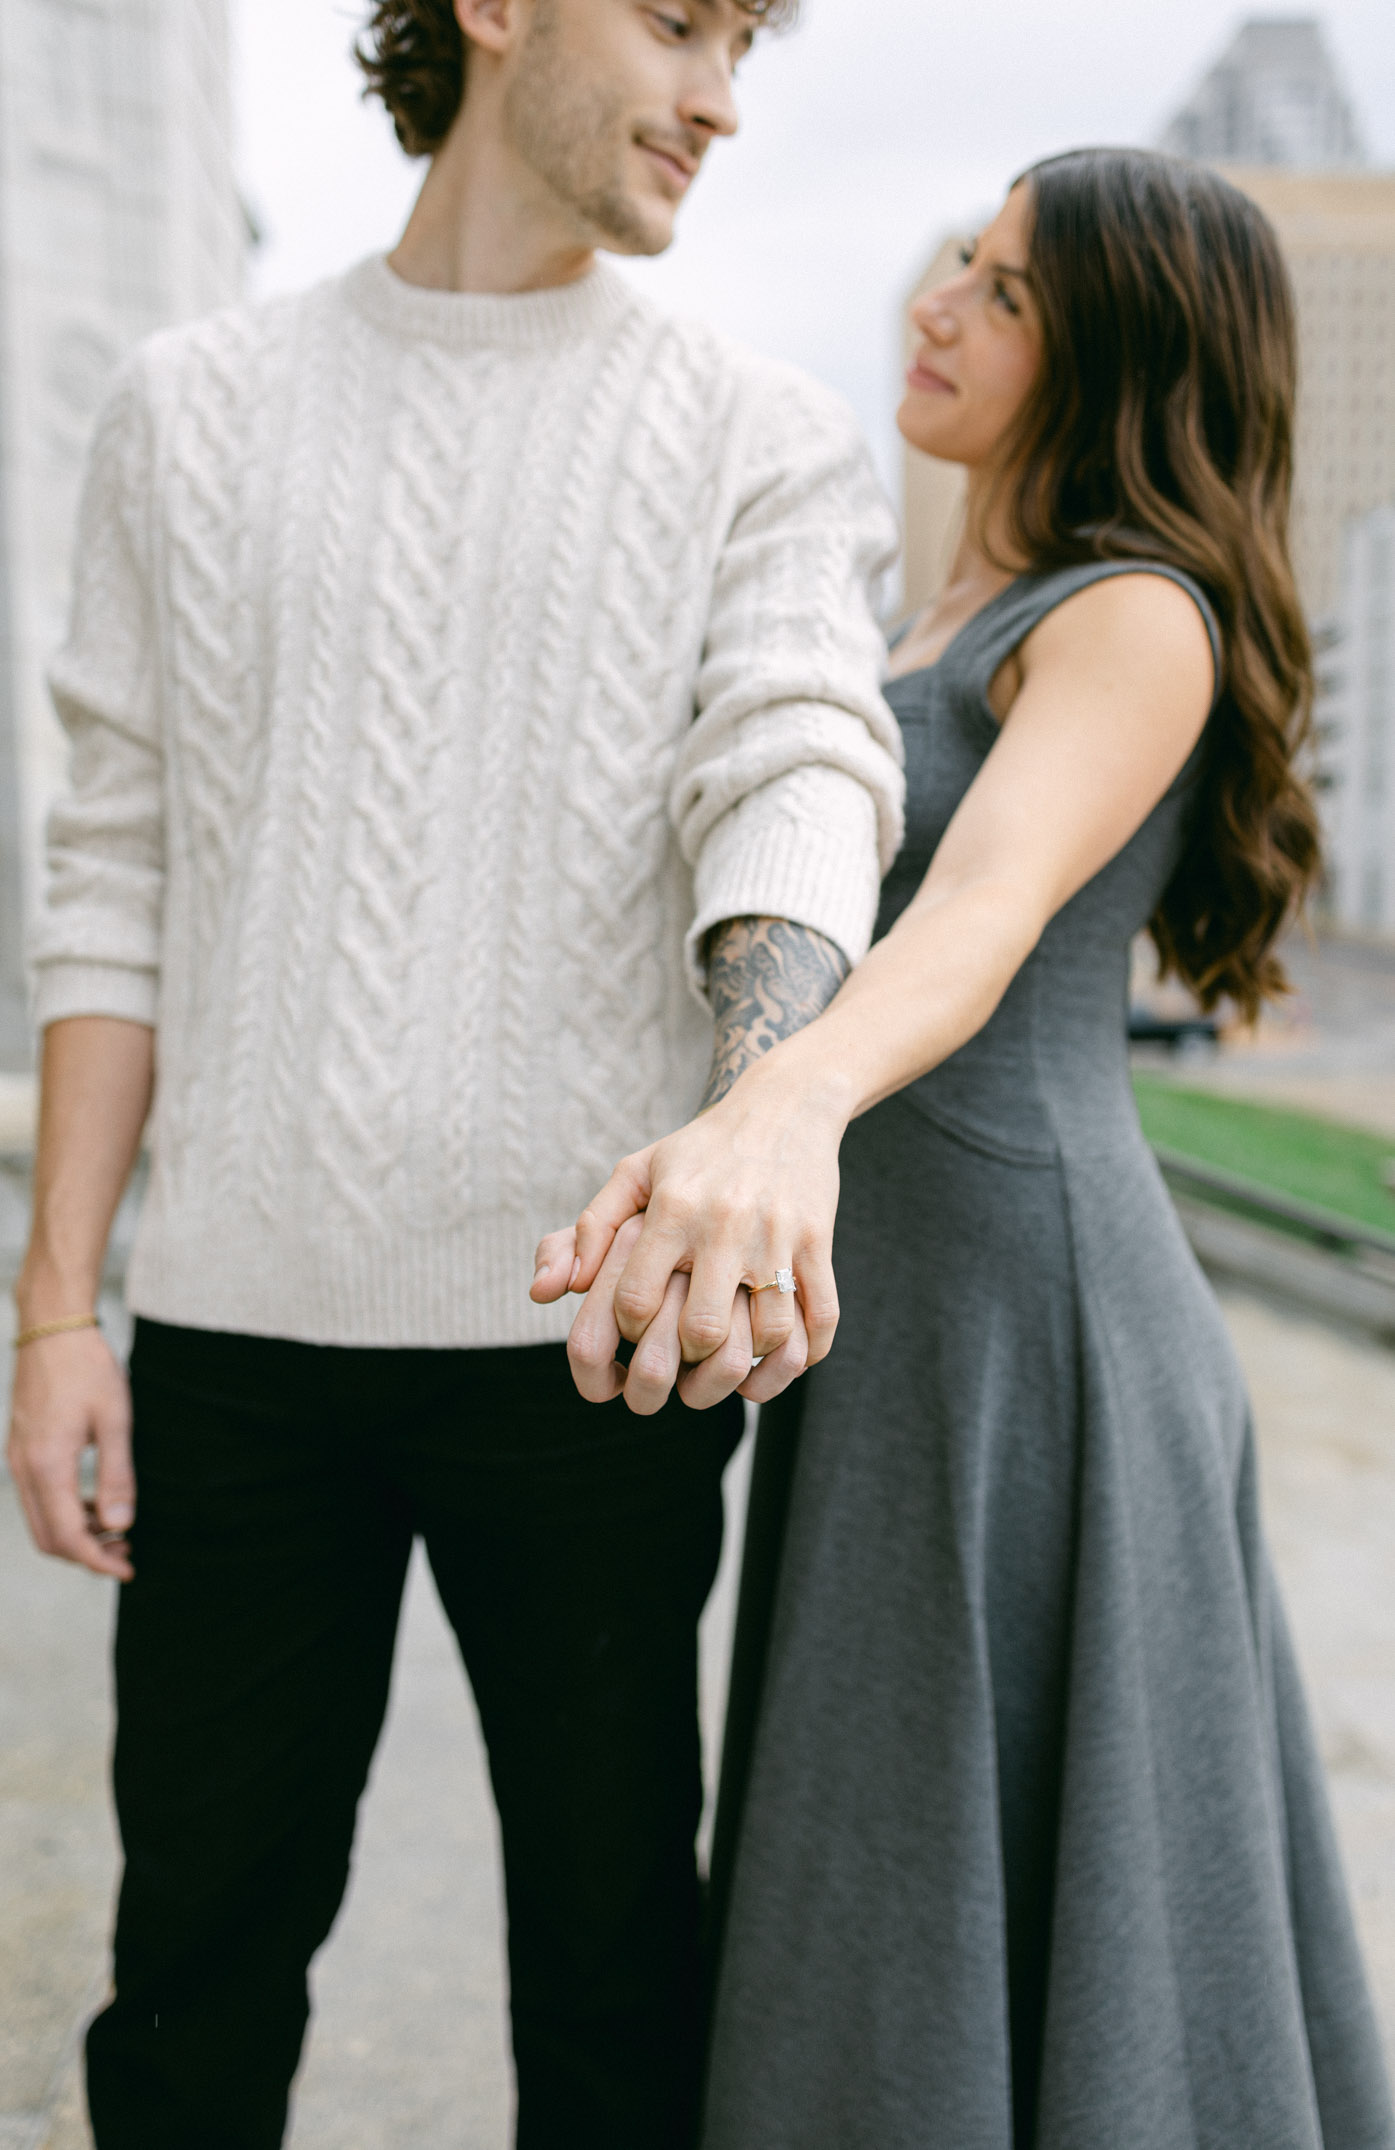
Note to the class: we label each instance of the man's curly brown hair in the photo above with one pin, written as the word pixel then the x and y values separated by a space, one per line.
pixel 413 55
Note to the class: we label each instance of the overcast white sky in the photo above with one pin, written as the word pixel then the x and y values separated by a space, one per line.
pixel 867 133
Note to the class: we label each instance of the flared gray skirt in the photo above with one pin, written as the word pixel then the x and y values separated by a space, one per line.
pixel 1035 1848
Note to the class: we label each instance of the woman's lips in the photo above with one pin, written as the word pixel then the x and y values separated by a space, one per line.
pixel 925 378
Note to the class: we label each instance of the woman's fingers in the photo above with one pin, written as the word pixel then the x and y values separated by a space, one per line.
pixel 774 1316
pixel 555 1266
pixel 624 1195
pixel 720 1269
pixel 595 1338
pixel 774 1374
pixel 657 1360
pixel 818 1300
pixel 663 1245
pixel 721 1374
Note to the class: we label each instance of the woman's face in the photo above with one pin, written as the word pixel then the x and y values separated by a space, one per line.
pixel 979 349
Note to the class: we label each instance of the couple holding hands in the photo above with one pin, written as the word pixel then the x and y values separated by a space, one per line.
pixel 476 701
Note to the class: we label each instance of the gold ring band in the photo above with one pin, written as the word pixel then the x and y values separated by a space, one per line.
pixel 782 1282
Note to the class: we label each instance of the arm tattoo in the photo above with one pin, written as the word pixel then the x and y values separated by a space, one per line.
pixel 767 978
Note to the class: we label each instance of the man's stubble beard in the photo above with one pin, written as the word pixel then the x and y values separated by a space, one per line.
pixel 574 136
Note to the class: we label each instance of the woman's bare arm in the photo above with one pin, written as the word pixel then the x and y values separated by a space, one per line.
pixel 1116 687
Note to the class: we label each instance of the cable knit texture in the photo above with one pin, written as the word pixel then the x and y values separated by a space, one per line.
pixel 442 667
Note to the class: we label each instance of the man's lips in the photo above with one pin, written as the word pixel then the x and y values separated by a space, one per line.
pixel 681 169
pixel 928 381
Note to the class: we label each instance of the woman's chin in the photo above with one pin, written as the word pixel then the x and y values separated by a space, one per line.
pixel 918 429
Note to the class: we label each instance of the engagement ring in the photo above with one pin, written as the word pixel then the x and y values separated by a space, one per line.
pixel 783 1281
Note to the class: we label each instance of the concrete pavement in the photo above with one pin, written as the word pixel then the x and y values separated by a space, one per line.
pixel 408 2045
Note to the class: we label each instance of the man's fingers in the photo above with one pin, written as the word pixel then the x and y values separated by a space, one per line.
pixel 595 1337
pixel 116 1477
pixel 721 1374
pixel 108 1551
pixel 554 1267
pixel 61 1525
pixel 69 1394
pixel 33 1512
pixel 657 1360
pixel 624 1195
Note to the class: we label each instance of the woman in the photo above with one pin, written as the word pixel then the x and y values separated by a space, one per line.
pixel 1035 1848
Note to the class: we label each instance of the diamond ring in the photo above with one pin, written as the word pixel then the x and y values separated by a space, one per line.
pixel 782 1281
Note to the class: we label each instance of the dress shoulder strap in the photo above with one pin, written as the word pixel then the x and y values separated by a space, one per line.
pixel 1005 623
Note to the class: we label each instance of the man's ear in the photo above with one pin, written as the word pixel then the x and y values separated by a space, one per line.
pixel 492 24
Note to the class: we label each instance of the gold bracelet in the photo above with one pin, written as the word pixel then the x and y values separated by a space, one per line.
pixel 56 1328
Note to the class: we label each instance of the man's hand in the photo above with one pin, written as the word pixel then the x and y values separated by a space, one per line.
pixel 71 1395
pixel 69 1392
pixel 680 1286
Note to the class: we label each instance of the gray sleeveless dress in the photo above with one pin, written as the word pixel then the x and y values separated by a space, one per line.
pixel 1034 1847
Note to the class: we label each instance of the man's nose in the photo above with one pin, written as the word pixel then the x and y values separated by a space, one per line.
pixel 708 104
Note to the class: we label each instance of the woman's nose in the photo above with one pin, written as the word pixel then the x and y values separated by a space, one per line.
pixel 934 319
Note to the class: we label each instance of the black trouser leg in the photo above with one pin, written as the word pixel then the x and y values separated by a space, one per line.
pixel 278 1487
pixel 574 1564
pixel 253 1656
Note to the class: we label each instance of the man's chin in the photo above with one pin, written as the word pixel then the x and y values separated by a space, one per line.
pixel 636 228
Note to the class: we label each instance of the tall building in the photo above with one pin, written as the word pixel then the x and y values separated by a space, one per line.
pixel 118 213
pixel 1359 724
pixel 1273 97
pixel 1338 235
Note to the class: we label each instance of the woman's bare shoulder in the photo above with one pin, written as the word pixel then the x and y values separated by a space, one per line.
pixel 1142 624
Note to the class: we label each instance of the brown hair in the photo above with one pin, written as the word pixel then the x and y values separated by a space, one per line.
pixel 413 55
pixel 1161 428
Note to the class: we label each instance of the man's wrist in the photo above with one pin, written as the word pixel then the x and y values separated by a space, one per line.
pixel 48 1291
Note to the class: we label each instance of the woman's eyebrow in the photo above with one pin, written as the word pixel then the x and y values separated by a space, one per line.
pixel 1005 268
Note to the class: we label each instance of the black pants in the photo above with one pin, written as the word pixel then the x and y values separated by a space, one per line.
pixel 280 1487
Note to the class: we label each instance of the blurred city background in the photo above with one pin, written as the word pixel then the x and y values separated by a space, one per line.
pixel 161 157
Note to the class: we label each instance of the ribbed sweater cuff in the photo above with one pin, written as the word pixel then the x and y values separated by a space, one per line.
pixel 67 988
pixel 804 848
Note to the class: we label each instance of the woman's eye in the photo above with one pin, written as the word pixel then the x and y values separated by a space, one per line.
pixel 966 255
pixel 1005 297
pixel 674 25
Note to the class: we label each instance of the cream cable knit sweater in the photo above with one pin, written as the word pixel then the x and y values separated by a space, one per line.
pixel 441 668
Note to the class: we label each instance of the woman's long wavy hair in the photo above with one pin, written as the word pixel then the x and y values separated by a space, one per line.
pixel 1161 428
pixel 413 54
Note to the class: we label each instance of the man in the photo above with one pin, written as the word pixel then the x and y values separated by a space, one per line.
pixel 462 654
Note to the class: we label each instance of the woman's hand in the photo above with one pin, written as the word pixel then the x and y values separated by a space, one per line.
pixel 690 1288
pixel 746 1190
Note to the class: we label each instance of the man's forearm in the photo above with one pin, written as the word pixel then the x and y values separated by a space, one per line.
pixel 767 978
pixel 96 1082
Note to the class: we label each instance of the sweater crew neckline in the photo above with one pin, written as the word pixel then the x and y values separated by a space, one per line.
pixel 481 320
